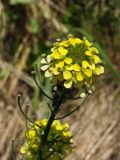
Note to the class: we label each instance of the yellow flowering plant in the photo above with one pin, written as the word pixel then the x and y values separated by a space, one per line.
pixel 58 144
pixel 71 64
pixel 75 62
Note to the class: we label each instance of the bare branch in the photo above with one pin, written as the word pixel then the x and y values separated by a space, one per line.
pixel 24 114
pixel 19 105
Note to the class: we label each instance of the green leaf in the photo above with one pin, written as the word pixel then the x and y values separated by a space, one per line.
pixel 34 25
pixel 14 2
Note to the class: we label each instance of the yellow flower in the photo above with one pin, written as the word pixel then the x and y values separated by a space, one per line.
pixel 59 136
pixel 44 122
pixel 73 61
pixel 66 126
pixel 79 76
pixel 66 134
pixel 31 134
pixel 85 64
pixel 63 43
pixel 59 127
pixel 56 55
pixel 88 53
pixel 67 75
pixel 88 72
pixel 76 67
pixel 68 60
pixel 23 150
pixel 74 41
pixel 99 70
pixel 60 64
pixel 94 50
pixel 96 59
pixel 86 42
pixel 62 51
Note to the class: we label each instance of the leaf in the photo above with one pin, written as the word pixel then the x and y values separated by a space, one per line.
pixel 34 25
pixel 14 2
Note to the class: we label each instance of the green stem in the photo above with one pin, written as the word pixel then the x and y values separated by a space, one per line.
pixel 57 101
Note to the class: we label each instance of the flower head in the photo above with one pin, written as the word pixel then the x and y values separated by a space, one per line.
pixel 58 145
pixel 75 62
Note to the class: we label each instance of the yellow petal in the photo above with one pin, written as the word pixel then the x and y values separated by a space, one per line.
pixel 66 126
pixel 98 70
pixel 55 123
pixel 56 55
pixel 63 43
pixel 31 134
pixel 37 125
pixel 68 84
pixel 88 53
pixel 76 67
pixel 60 64
pixel 85 64
pixel 55 71
pixel 69 68
pixel 71 141
pixel 23 150
pixel 67 75
pixel 88 72
pixel 86 42
pixel 96 59
pixel 94 50
pixel 62 51
pixel 92 66
pixel 78 40
pixel 72 41
pixel 59 127
pixel 79 77
pixel 66 134
pixel 68 60
pixel 44 122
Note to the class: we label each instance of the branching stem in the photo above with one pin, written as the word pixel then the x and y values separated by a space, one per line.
pixel 77 108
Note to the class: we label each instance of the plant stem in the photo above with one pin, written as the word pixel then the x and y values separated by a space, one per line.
pixel 57 101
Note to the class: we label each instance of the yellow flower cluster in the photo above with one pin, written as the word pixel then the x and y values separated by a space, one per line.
pixel 59 142
pixel 75 62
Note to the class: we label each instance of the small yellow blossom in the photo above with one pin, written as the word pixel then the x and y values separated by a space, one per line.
pixel 59 136
pixel 30 134
pixel 73 61
pixel 67 75
pixel 23 150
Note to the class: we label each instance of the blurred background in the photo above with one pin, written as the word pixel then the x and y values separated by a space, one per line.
pixel 28 29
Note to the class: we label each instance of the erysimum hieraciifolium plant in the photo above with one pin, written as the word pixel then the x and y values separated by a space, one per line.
pixel 59 141
pixel 72 64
